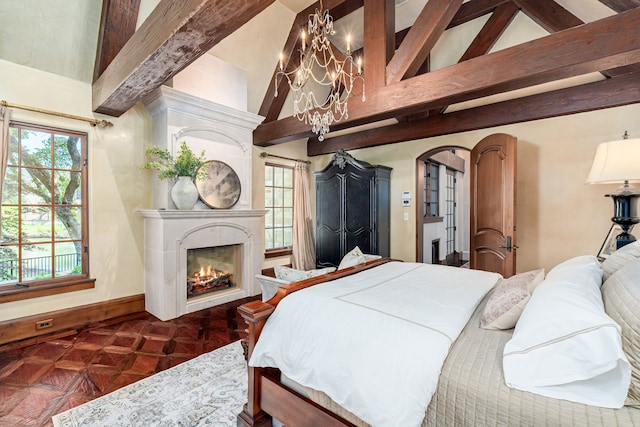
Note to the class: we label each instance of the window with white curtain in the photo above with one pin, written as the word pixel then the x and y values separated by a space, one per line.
pixel 278 202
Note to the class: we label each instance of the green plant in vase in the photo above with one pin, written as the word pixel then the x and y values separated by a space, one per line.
pixel 186 167
pixel 186 163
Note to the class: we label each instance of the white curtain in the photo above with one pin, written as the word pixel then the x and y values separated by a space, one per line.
pixel 304 252
pixel 5 113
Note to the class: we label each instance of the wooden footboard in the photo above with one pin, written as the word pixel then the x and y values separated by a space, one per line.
pixel 267 396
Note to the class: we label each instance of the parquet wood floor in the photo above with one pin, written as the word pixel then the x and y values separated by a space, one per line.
pixel 41 380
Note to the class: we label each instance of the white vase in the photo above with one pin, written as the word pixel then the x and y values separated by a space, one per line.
pixel 184 193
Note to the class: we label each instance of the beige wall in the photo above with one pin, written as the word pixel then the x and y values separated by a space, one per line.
pixel 558 215
pixel 117 186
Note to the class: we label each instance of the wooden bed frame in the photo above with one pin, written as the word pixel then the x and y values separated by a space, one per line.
pixel 267 396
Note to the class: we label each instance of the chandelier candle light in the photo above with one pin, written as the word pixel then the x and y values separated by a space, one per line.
pixel 338 76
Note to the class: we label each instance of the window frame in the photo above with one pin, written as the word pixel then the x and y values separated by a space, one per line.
pixel 428 192
pixel 51 286
pixel 285 250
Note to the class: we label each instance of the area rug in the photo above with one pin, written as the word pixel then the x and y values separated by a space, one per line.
pixel 206 391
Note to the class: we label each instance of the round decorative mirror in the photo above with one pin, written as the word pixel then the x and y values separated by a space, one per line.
pixel 220 188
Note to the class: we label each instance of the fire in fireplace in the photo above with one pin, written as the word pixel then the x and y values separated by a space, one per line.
pixel 212 269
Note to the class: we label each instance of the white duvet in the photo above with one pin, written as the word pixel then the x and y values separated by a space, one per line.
pixel 374 342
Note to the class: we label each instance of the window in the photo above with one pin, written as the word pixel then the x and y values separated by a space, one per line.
pixel 43 242
pixel 431 189
pixel 278 202
pixel 450 213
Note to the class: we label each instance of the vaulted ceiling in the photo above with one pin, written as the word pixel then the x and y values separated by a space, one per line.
pixel 589 60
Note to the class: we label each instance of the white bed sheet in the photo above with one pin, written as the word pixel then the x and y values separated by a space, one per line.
pixel 374 342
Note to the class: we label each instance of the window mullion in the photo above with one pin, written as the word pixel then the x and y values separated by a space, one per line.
pixel 41 261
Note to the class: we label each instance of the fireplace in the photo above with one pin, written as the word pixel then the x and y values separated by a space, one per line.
pixel 213 269
pixel 200 258
pixel 180 243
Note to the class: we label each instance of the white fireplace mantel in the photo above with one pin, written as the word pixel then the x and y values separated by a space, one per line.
pixel 168 236
pixel 225 134
pixel 222 132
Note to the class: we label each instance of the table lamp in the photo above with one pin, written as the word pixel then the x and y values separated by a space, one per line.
pixel 619 162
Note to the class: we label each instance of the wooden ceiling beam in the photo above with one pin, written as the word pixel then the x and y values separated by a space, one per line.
pixel 467 12
pixel 272 105
pixel 553 17
pixel 576 51
pixel 379 40
pixel 549 14
pixel 487 37
pixel 173 36
pixel 621 5
pixel 474 9
pixel 423 35
pixel 500 18
pixel 491 31
pixel 578 99
pixel 117 25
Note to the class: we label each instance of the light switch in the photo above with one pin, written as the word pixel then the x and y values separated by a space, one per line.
pixel 406 216
pixel 406 198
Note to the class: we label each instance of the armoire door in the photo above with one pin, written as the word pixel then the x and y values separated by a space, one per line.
pixel 359 213
pixel 329 214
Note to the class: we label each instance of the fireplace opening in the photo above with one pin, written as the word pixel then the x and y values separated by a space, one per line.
pixel 213 269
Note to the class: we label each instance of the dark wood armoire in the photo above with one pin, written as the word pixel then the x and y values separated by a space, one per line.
pixel 352 209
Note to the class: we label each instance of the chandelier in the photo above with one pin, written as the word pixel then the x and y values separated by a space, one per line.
pixel 319 64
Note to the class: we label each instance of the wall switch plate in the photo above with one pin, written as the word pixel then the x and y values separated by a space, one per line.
pixel 406 198
pixel 406 216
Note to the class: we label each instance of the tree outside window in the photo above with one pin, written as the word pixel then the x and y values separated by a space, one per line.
pixel 44 208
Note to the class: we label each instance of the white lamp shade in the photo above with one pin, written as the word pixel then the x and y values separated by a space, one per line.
pixel 615 162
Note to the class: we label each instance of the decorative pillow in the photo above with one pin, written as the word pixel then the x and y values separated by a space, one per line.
pixel 621 295
pixel 620 258
pixel 354 257
pixel 292 275
pixel 508 299
pixel 565 346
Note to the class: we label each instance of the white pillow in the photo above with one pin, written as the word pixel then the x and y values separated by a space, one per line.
pixel 370 257
pixel 292 275
pixel 505 305
pixel 620 258
pixel 565 346
pixel 354 257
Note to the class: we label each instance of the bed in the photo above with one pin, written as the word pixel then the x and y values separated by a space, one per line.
pixel 470 389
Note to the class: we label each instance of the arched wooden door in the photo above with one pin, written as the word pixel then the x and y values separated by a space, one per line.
pixel 493 205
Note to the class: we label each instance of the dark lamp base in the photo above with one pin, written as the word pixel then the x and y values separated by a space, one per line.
pixel 623 239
